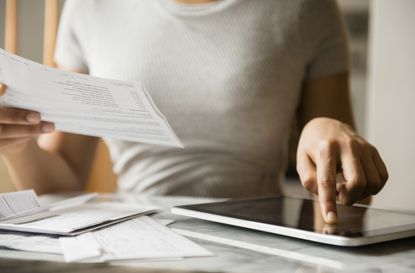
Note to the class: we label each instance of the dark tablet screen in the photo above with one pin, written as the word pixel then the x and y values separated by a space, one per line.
pixel 305 214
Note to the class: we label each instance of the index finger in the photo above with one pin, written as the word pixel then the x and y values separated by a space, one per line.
pixel 326 182
pixel 2 89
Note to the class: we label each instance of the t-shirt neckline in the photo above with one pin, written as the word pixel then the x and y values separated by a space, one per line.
pixel 199 9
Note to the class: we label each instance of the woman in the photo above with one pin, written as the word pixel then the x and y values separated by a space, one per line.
pixel 230 76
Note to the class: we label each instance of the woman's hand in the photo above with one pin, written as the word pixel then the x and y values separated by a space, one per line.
pixel 328 147
pixel 17 126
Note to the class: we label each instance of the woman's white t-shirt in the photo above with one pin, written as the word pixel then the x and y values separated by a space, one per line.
pixel 227 75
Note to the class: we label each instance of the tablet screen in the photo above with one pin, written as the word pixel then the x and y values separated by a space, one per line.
pixel 305 214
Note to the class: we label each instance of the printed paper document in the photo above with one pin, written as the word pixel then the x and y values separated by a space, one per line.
pixel 14 203
pixel 25 203
pixel 30 242
pixel 138 238
pixel 76 220
pixel 83 104
pixel 39 242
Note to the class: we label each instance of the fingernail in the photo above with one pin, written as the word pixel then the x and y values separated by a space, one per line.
pixel 33 117
pixel 331 217
pixel 48 127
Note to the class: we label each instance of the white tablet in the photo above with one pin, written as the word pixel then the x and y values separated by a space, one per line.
pixel 300 218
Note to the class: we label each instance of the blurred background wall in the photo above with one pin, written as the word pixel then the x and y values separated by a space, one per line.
pixel 391 104
pixel 387 124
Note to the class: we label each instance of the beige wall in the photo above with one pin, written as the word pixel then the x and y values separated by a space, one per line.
pixel 392 97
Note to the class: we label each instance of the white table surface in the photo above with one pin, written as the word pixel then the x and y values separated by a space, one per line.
pixel 307 257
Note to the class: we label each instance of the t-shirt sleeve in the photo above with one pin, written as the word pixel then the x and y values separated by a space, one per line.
pixel 325 38
pixel 70 52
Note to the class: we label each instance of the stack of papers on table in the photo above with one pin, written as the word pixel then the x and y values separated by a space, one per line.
pixel 21 212
pixel 142 238
pixel 24 203
pixel 30 242
pixel 99 232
